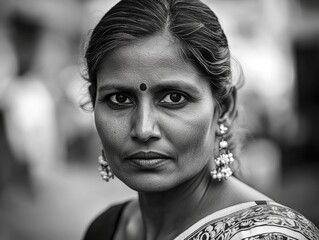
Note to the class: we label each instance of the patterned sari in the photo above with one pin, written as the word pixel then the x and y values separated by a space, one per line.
pixel 259 220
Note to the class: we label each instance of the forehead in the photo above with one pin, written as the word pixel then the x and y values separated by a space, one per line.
pixel 155 52
pixel 155 61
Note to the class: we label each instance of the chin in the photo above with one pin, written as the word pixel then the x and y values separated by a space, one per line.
pixel 150 183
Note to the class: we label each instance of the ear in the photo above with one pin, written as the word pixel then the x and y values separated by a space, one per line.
pixel 229 108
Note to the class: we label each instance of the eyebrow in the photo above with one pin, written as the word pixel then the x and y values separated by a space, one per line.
pixel 174 85
pixel 115 87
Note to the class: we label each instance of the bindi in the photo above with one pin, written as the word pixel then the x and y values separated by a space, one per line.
pixel 143 87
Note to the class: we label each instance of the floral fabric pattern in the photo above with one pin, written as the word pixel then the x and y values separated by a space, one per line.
pixel 271 221
pixel 271 236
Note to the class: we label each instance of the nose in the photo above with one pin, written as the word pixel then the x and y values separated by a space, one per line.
pixel 145 124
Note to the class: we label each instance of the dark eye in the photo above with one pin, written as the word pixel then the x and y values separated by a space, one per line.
pixel 174 98
pixel 120 99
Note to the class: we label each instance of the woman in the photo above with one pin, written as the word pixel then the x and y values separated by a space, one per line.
pixel 164 104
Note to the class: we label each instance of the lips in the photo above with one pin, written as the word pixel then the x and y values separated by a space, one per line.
pixel 147 160
pixel 148 156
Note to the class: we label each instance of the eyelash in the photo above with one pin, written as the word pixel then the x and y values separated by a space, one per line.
pixel 114 102
pixel 182 96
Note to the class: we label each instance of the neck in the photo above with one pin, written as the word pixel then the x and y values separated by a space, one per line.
pixel 166 214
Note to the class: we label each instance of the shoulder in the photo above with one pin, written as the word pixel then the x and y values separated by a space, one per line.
pixel 241 192
pixel 273 220
pixel 255 220
pixel 104 226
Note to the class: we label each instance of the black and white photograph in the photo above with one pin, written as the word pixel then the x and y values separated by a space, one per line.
pixel 159 120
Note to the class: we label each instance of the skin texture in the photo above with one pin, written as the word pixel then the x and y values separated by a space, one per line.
pixel 175 116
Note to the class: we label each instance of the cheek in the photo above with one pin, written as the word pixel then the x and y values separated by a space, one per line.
pixel 112 130
pixel 193 135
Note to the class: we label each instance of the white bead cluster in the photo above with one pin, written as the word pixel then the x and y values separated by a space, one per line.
pixel 105 170
pixel 225 158
pixel 223 161
pixel 223 170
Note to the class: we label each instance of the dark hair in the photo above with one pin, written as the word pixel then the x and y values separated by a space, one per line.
pixel 190 22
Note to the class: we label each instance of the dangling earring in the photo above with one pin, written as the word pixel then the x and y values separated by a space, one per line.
pixel 225 158
pixel 105 169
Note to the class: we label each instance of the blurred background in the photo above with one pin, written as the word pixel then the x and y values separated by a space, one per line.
pixel 49 184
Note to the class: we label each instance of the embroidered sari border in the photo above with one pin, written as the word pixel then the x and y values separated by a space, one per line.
pixel 216 215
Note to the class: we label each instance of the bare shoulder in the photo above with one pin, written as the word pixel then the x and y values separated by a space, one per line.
pixel 241 192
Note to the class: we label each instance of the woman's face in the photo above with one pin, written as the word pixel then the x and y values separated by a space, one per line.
pixel 155 115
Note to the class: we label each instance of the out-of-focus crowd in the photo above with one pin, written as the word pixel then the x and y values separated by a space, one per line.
pixel 41 86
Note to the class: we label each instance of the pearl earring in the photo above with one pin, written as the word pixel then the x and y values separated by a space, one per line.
pixel 104 168
pixel 225 158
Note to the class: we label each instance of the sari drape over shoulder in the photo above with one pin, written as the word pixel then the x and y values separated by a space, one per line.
pixel 258 220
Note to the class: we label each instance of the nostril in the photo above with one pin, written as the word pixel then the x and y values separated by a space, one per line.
pixel 145 136
pixel 145 133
